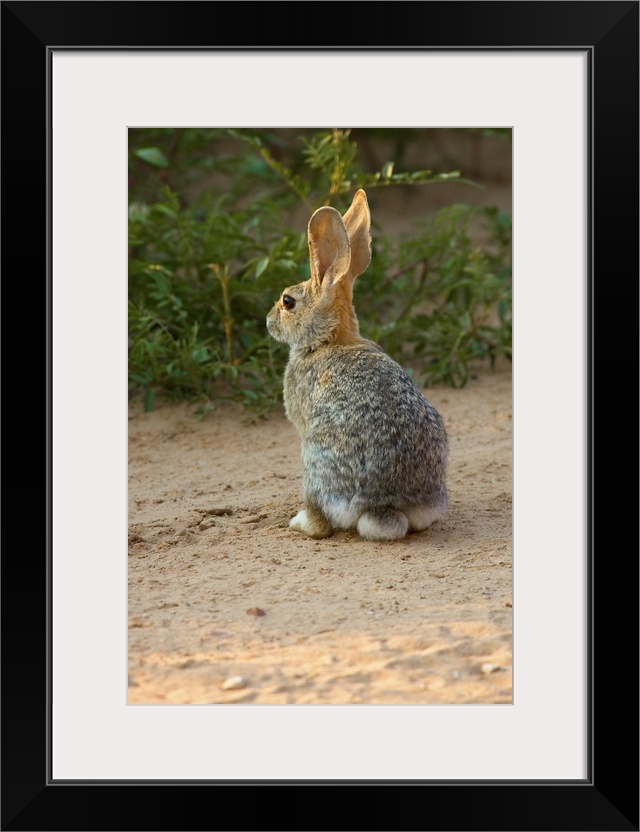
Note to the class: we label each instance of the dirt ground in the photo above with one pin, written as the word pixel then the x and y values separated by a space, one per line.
pixel 227 605
pixel 219 587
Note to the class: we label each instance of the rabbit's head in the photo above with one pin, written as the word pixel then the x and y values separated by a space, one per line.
pixel 320 310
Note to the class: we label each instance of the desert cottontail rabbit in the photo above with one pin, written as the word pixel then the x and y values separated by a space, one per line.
pixel 374 451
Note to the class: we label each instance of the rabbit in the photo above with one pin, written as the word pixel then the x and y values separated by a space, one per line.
pixel 374 450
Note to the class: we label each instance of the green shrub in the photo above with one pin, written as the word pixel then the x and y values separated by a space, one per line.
pixel 212 243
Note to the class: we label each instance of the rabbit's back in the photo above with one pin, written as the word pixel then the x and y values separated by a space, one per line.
pixel 366 428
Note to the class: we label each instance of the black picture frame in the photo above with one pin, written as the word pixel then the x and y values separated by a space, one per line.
pixel 608 798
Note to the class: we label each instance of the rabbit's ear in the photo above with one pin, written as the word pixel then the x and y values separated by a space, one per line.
pixel 329 250
pixel 357 221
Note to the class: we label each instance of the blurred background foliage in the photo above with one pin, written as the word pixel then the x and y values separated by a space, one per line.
pixel 217 229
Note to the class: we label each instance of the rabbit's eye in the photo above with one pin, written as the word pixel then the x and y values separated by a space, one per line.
pixel 288 302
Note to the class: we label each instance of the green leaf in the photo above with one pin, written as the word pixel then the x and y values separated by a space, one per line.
pixel 153 156
pixel 200 355
pixel 149 401
pixel 164 209
pixel 261 265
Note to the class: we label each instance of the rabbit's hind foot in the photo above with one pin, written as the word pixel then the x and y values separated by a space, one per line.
pixel 383 524
pixel 422 516
pixel 312 523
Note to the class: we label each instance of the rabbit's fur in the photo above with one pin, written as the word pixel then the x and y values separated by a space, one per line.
pixel 374 451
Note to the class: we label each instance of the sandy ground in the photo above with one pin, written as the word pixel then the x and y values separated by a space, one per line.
pixel 220 588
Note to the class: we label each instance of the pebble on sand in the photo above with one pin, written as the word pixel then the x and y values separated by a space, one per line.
pixel 234 683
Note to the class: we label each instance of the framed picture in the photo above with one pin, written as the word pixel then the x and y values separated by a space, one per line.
pixel 564 78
